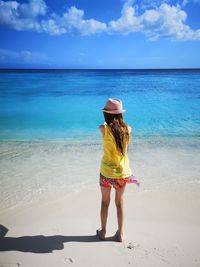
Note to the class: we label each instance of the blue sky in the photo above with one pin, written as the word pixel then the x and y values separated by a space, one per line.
pixel 100 34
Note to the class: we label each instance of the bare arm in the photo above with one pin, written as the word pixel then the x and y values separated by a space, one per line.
pixel 101 129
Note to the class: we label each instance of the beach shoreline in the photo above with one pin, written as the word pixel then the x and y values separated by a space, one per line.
pixel 51 198
pixel 31 169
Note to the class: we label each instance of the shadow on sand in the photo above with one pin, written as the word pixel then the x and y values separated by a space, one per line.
pixel 41 243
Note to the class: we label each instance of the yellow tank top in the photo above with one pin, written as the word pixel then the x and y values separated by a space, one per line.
pixel 113 163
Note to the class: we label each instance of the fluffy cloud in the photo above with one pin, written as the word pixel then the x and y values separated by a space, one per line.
pixel 22 16
pixel 160 20
pixel 149 4
pixel 127 23
pixel 70 22
pixel 164 21
pixel 27 17
pixel 169 22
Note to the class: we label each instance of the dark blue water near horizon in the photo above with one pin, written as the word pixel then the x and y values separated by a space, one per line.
pixel 66 104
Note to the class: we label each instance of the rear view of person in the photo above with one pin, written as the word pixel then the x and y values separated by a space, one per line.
pixel 115 170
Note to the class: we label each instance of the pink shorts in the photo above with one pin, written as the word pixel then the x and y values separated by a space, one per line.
pixel 116 182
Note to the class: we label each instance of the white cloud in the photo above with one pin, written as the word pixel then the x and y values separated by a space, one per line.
pixel 169 23
pixel 185 2
pixel 127 23
pixel 33 9
pixel 164 21
pixel 158 20
pixel 22 16
pixel 22 57
pixel 149 4
pixel 70 22
pixel 26 17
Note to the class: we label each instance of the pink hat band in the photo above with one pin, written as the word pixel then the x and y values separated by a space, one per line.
pixel 114 106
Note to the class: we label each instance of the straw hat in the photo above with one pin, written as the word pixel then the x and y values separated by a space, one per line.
pixel 113 106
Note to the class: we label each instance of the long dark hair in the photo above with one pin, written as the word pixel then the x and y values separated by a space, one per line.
pixel 119 130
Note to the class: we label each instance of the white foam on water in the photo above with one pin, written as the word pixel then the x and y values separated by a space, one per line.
pixel 31 170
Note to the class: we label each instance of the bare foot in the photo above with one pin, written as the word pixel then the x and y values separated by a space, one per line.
pixel 119 236
pixel 101 234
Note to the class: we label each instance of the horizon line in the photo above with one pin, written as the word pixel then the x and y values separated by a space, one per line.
pixel 12 69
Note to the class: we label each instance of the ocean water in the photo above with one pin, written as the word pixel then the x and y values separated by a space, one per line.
pixel 46 105
pixel 49 142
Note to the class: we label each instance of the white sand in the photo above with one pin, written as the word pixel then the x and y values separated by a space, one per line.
pixel 49 217
pixel 161 226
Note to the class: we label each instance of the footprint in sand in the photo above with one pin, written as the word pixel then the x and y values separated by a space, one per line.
pixel 132 246
pixel 67 260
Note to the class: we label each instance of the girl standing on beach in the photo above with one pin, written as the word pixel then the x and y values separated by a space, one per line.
pixel 115 170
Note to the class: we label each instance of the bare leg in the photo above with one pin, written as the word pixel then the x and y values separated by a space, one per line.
pixel 120 210
pixel 104 208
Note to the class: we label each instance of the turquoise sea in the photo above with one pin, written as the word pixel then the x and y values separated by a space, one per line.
pixel 49 139
pixel 66 104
